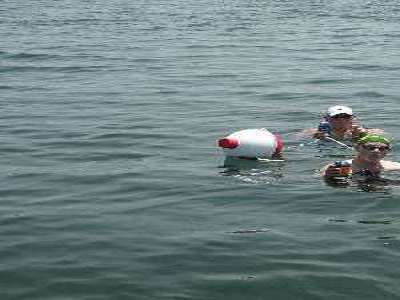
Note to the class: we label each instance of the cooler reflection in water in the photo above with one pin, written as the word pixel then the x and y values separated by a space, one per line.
pixel 253 170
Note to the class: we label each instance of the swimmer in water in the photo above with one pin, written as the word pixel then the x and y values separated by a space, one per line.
pixel 368 161
pixel 340 124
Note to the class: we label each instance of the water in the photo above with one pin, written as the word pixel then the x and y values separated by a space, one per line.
pixel 112 186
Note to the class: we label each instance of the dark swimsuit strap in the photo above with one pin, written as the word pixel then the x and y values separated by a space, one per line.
pixel 368 173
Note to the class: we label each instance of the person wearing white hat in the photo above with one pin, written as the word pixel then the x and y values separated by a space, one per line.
pixel 339 123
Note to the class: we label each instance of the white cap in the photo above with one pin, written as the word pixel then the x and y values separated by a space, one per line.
pixel 339 109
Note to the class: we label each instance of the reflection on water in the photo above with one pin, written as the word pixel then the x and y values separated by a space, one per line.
pixel 257 230
pixel 253 170
pixel 366 183
pixel 384 221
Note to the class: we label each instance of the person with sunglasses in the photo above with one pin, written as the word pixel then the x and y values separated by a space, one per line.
pixel 339 124
pixel 368 162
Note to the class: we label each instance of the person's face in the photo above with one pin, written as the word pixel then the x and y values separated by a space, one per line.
pixel 341 121
pixel 373 151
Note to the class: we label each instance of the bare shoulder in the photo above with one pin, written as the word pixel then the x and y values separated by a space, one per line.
pixel 357 130
pixel 390 165
pixel 375 131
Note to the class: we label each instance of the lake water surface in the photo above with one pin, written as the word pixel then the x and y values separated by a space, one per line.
pixel 112 186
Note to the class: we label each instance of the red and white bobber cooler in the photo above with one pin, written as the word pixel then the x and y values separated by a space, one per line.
pixel 252 143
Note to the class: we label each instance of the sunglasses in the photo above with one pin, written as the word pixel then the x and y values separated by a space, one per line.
pixel 342 116
pixel 373 147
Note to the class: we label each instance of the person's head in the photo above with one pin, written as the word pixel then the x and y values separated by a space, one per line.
pixel 373 147
pixel 340 117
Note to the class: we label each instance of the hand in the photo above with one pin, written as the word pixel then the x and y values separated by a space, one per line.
pixel 358 131
pixel 331 171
